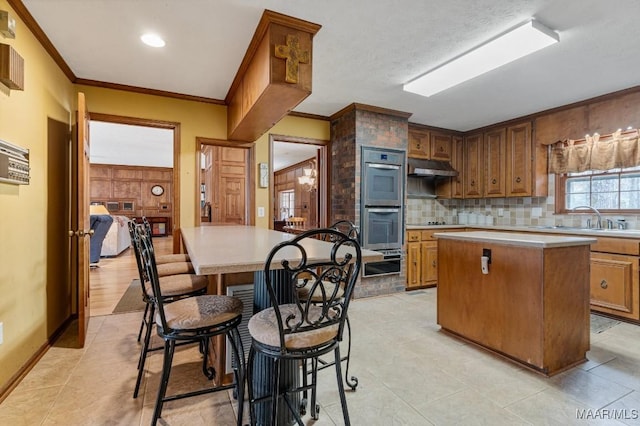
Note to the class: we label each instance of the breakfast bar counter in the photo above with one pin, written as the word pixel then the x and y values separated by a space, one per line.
pixel 523 296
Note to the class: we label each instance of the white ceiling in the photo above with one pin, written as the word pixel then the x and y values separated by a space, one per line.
pixel 286 154
pixel 363 53
pixel 113 143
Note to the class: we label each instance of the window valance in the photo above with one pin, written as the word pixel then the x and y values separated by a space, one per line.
pixel 598 152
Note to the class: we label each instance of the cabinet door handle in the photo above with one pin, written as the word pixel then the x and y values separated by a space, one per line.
pixel 493 181
pixel 418 145
pixel 518 179
pixel 473 183
pixel 604 284
pixel 433 263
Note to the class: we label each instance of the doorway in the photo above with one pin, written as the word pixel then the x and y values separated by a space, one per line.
pixel 300 181
pixel 225 182
pixel 129 157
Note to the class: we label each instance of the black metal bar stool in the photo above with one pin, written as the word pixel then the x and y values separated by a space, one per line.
pixel 194 319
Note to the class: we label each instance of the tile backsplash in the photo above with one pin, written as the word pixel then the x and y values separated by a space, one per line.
pixel 504 211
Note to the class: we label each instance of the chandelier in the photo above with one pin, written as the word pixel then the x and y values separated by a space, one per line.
pixel 309 179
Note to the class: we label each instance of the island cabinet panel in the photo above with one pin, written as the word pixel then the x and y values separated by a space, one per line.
pixel 530 307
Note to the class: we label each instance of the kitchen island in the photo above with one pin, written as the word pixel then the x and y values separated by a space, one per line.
pixel 530 301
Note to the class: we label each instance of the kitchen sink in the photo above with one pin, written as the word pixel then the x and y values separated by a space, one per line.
pixel 554 227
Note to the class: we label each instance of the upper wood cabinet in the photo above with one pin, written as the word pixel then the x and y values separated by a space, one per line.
pixel 419 144
pixel 495 164
pixel 473 166
pixel 519 160
pixel 453 187
pixel 440 146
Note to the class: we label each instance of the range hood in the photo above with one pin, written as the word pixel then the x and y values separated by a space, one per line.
pixel 430 168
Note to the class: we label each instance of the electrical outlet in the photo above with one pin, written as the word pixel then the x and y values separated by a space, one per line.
pixel 260 211
pixel 500 212
pixel 1 333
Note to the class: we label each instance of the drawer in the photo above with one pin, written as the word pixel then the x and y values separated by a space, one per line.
pixel 617 245
pixel 413 236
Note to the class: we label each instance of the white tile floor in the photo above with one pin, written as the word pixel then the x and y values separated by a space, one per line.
pixel 409 373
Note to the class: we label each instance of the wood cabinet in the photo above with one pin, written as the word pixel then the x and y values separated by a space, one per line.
pixel 503 162
pixel 419 143
pixel 615 277
pixel 473 166
pixel 519 160
pixel 495 163
pixel 440 146
pixel 530 307
pixel 422 257
pixel 453 187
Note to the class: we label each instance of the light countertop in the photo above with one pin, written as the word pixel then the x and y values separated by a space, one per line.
pixel 565 230
pixel 518 239
pixel 229 249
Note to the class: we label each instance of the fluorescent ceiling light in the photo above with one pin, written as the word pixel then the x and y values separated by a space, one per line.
pixel 152 40
pixel 509 46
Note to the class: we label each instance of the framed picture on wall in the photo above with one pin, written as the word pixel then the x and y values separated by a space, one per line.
pixel 113 206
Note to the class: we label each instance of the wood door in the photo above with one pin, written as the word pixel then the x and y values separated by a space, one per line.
pixel 472 179
pixel 518 167
pixel 454 187
pixel 413 265
pixel 228 185
pixel 440 147
pixel 80 220
pixel 429 268
pixel 495 158
pixel 419 144
pixel 614 284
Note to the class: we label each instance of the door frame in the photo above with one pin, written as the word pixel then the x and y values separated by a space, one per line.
pixel 324 177
pixel 159 124
pixel 250 201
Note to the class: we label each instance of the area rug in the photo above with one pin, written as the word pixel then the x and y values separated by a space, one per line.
pixel 600 323
pixel 131 300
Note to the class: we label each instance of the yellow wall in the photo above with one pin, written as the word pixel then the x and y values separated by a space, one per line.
pixel 197 119
pixel 290 126
pixel 23 209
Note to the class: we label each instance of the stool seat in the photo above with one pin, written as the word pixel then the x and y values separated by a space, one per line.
pixel 175 268
pixel 179 285
pixel 263 327
pixel 200 312
pixel 172 258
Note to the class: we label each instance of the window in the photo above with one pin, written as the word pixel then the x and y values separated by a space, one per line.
pixel 613 191
pixel 287 200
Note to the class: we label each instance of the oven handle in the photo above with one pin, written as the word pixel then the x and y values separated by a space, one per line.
pixel 383 210
pixel 383 166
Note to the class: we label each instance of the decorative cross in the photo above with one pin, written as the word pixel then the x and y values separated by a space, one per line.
pixel 294 56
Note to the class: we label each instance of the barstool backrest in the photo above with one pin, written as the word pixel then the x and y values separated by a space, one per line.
pixel 324 276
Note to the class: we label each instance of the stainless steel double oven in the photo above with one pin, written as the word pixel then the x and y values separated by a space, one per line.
pixel 381 201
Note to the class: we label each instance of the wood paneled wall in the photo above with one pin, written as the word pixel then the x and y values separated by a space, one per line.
pixel 132 184
pixel 306 203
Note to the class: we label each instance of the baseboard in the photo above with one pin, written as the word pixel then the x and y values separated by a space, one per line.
pixel 15 380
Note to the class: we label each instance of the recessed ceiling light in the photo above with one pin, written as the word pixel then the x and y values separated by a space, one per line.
pixel 153 40
pixel 516 43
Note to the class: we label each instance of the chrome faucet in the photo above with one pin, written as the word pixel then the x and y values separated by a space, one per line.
pixel 598 223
